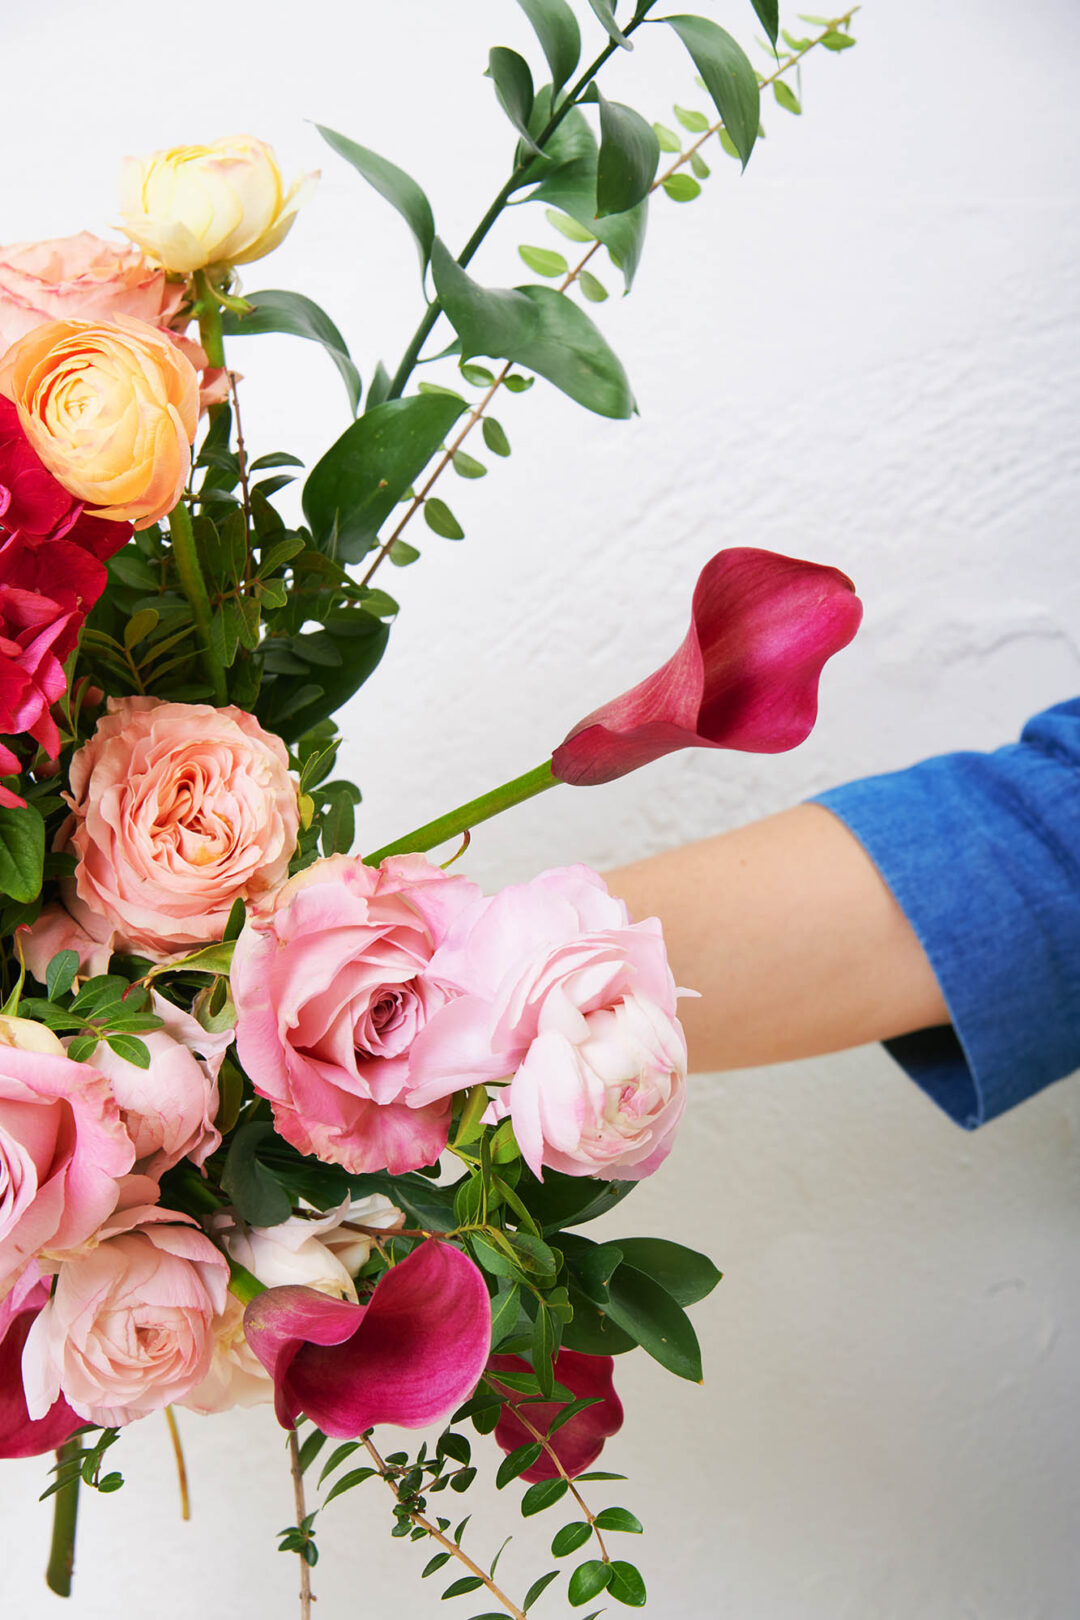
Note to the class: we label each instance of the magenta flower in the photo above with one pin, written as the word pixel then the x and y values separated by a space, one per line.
pixel 761 629
pixel 21 1435
pixel 408 1355
pixel 580 1440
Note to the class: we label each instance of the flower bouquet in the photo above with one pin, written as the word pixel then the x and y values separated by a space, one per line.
pixel 279 1122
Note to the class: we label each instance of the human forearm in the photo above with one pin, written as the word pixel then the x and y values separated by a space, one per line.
pixel 791 935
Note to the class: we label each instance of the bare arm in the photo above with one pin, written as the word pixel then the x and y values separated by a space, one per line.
pixel 791 935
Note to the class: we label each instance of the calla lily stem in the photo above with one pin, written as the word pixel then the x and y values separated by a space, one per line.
pixel 61 1563
pixel 466 816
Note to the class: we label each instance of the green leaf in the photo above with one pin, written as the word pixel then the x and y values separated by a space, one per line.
pixel 81 1048
pixel 681 188
pixel 401 554
pixel 467 1583
pixel 835 41
pixel 684 1273
pixel 540 1585
pixel 570 1538
pixel 557 29
pixel 617 1518
pixel 626 1585
pixel 544 261
pixel 594 290
pixel 514 88
pixel 479 376
pixel 645 1310
pixel 699 166
pixel 605 10
pixel 400 189
pixel 60 973
pixel 504 1314
pixel 140 625
pixel 571 1410
pixel 356 1476
pixel 538 327
pixel 568 227
pixel 310 1449
pixel 495 438
pixel 544 1494
pixel 689 118
pixel 353 489
pixel 587 1581
pixel 130 1048
pixel 516 1463
pixel 729 77
pixel 518 384
pixel 786 97
pixel 467 466
pixel 543 1350
pixel 435 1563
pixel 379 386
pixel 439 518
pixel 22 852
pixel 274 310
pixel 768 12
pixel 629 155
pixel 667 138
pixel 210 959
pixel 259 1197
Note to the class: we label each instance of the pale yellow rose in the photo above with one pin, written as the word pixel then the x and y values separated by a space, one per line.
pixel 193 206
pixel 111 408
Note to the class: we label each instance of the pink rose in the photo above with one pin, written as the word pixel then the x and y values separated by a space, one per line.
pixel 56 930
pixel 62 1149
pixel 179 809
pixel 80 278
pixel 169 1109
pixel 577 1004
pixel 129 1326
pixel 20 1436
pixel 332 987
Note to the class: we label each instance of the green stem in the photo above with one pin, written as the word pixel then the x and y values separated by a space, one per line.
pixel 209 312
pixel 434 309
pixel 194 588
pixel 65 1512
pixel 467 816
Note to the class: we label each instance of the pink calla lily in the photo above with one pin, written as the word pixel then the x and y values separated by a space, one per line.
pixel 408 1355
pixel 746 676
pixel 580 1440
pixel 21 1435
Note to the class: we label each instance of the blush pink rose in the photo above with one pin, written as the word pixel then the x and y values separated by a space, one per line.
pixel 169 1109
pixel 332 987
pixel 80 278
pixel 577 1004
pixel 129 1326
pixel 56 930
pixel 63 1150
pixel 179 809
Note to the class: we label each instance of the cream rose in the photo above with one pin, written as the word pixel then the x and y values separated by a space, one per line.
pixel 111 409
pixel 179 809
pixel 193 206
pixel 80 278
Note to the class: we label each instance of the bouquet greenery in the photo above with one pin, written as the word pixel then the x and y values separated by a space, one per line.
pixel 280 1123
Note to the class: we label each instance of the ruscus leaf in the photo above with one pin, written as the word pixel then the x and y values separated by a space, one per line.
pixel 629 155
pixel 557 29
pixel 275 310
pixel 400 189
pixel 729 77
pixel 605 10
pixel 514 88
pixel 768 12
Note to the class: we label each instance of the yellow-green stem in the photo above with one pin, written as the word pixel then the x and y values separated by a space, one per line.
pixel 194 588
pixel 61 1563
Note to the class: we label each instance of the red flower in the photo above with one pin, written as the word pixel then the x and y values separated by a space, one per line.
pixel 408 1355
pixel 762 627
pixel 19 1435
pixel 580 1440
pixel 35 505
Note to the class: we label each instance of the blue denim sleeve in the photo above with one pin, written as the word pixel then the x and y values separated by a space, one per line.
pixel 982 852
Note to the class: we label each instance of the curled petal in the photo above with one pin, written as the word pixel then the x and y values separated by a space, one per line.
pixel 408 1355
pixel 21 1435
pixel 746 676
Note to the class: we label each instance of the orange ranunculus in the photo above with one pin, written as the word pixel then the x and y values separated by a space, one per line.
pixel 111 408
pixel 224 203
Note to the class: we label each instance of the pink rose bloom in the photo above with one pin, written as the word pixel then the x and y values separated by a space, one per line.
pixel 169 1109
pixel 20 1436
pixel 577 1004
pixel 80 278
pixel 63 1149
pixel 332 987
pixel 56 930
pixel 129 1326
pixel 179 809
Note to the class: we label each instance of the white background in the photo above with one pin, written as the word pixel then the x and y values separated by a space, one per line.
pixel 864 352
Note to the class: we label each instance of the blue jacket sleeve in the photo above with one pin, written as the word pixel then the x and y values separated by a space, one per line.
pixel 982 852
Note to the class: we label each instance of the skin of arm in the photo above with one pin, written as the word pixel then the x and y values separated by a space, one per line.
pixel 792 937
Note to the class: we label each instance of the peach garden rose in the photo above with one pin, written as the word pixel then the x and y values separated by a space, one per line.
pixel 178 810
pixel 82 278
pixel 111 408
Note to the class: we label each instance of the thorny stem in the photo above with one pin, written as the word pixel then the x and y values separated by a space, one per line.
pixel 301 1515
pixel 553 1454
pixel 181 1466
pixel 477 413
pixel 445 1542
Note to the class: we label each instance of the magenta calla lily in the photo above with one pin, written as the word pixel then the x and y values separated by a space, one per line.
pixel 408 1355
pixel 21 1435
pixel 580 1440
pixel 746 676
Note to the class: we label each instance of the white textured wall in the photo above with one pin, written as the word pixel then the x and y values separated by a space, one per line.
pixel 864 352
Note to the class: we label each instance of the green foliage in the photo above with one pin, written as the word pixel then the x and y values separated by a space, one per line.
pixel 625 1584
pixel 628 158
pixel 768 12
pixel 681 188
pixel 440 519
pixel 728 75
pixel 605 10
pixel 22 852
pixel 556 27
pixel 275 311
pixel 399 189
pixel 786 97
pixel 257 1194
pixel 588 1581
pixel 544 261
pixel 514 89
